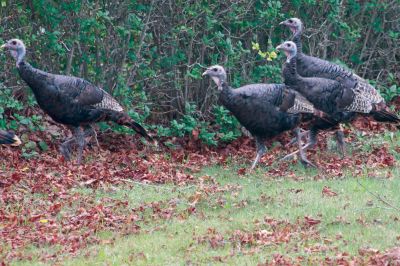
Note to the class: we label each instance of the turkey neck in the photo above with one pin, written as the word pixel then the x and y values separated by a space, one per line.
pixel 38 80
pixel 297 40
pixel 226 96
pixel 290 74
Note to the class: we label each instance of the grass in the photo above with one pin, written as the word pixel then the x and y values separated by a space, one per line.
pixel 226 202
pixel 365 221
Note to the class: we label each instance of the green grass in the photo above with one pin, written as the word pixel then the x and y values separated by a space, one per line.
pixel 366 221
pixel 356 218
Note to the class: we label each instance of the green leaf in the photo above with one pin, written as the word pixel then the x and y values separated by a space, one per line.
pixel 43 146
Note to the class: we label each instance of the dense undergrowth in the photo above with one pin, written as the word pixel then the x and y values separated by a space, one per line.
pixel 150 54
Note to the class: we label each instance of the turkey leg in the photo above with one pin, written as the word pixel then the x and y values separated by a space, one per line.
pixel 340 142
pixel 303 133
pixel 65 148
pixel 80 141
pixel 261 150
pixel 303 157
pixel 311 143
pixel 91 132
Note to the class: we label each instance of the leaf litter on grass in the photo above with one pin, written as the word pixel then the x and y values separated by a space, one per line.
pixel 40 205
pixel 299 237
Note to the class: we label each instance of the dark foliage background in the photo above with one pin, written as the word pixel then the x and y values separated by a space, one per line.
pixel 150 54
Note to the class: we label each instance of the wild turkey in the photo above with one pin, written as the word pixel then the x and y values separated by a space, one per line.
pixel 266 110
pixel 330 96
pixel 363 92
pixel 71 101
pixel 9 138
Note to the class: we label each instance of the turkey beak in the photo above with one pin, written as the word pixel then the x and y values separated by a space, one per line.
pixel 283 23
pixel 3 46
pixel 205 73
pixel 279 47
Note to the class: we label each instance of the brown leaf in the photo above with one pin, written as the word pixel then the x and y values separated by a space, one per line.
pixel 311 221
pixel 195 134
pixel 241 171
pixel 195 198
pixel 367 251
pixel 326 191
pixel 296 190
pixel 393 255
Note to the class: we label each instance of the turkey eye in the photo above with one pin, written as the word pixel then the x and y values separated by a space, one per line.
pixel 290 21
pixel 288 45
pixel 14 43
pixel 215 70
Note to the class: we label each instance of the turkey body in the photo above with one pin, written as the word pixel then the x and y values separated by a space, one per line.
pixel 67 100
pixel 328 95
pixel 256 107
pixel 71 101
pixel 76 103
pixel 310 66
pixel 325 94
pixel 366 99
pixel 266 111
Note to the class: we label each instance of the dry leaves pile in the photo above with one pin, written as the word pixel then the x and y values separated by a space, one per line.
pixel 59 216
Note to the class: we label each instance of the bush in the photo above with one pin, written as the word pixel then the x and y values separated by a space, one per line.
pixel 150 54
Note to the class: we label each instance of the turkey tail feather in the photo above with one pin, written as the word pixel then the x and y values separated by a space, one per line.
pixel 9 138
pixel 385 116
pixel 124 119
pixel 139 129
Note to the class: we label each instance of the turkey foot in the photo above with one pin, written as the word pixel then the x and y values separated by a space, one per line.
pixel 66 146
pixel 80 141
pixel 304 133
pixel 311 143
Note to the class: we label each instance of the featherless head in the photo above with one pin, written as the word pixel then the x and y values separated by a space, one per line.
pixel 16 48
pixel 289 48
pixel 294 24
pixel 217 73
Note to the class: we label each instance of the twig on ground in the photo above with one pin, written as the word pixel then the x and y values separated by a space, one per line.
pixel 369 208
pixel 155 186
pixel 378 196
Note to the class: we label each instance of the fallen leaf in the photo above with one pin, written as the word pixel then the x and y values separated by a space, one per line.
pixel 393 255
pixel 367 251
pixel 326 191
pixel 195 134
pixel 311 221
pixel 241 171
